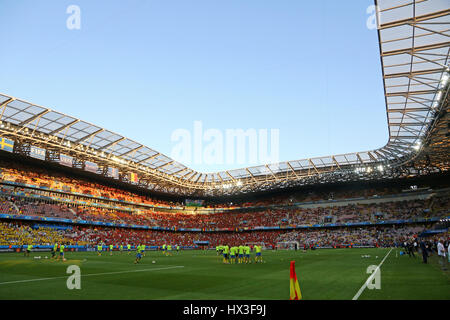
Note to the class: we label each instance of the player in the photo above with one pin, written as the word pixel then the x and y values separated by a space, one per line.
pixel 111 247
pixel 61 252
pixel 29 247
pixel 169 250
pixel 241 254
pixel 225 254
pixel 247 254
pixel 143 250
pixel 233 255
pixel 178 248
pixel 129 248
pixel 54 250
pixel 121 248
pixel 99 250
pixel 138 254
pixel 237 254
pixel 164 248
pixel 258 257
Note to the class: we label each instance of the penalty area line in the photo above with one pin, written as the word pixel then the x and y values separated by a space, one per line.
pixel 92 274
pixel 360 291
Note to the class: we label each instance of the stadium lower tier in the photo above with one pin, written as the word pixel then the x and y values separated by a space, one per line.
pixel 17 234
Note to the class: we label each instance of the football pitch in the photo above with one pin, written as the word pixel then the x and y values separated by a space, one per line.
pixel 336 274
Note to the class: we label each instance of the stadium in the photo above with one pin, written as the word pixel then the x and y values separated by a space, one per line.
pixel 140 225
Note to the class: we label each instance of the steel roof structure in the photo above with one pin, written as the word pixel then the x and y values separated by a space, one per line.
pixel 414 42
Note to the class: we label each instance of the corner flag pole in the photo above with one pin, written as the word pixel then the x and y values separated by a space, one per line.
pixel 295 293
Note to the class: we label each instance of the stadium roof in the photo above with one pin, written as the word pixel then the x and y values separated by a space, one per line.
pixel 414 51
pixel 74 131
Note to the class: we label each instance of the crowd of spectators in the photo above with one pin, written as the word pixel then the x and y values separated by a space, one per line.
pixel 373 236
pixel 19 173
pixel 310 196
pixel 351 213
pixel 19 234
pixel 14 233
pixel 54 180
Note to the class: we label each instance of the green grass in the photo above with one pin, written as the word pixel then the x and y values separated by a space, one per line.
pixel 323 274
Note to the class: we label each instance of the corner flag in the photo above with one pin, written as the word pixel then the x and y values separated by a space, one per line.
pixel 295 288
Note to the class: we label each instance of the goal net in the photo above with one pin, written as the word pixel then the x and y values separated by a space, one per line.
pixel 288 245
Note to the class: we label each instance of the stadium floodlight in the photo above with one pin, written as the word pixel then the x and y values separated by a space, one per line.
pixel 360 169
pixel 380 168
pixel 444 80
pixel 417 145
pixel 239 183
pixel 119 160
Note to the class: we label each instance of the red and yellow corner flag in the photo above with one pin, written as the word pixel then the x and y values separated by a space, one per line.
pixel 294 286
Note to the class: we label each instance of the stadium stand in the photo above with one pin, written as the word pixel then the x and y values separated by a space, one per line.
pixel 379 216
pixel 14 233
pixel 395 210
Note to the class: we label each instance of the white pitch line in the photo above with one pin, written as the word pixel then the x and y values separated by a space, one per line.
pixel 370 277
pixel 92 274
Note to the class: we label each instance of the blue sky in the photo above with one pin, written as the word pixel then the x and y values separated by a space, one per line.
pixel 146 68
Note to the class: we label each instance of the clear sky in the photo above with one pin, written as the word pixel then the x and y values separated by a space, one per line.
pixel 147 68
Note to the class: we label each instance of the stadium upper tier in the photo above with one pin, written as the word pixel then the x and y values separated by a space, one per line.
pixel 31 180
pixel 414 50
pixel 18 203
